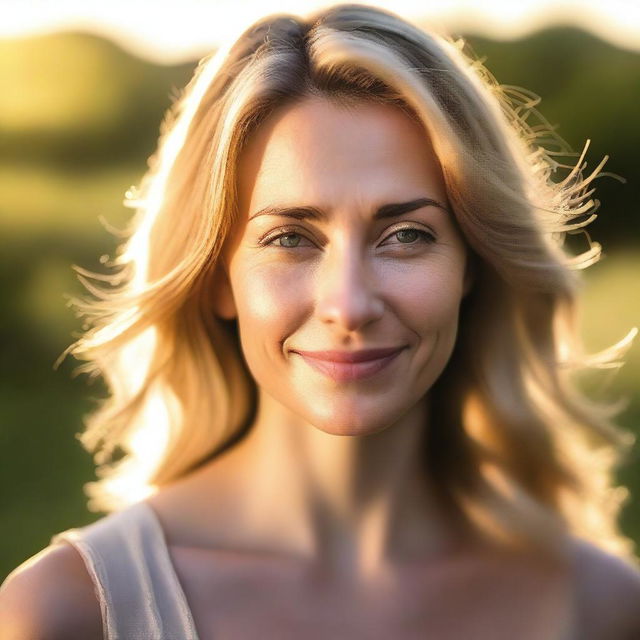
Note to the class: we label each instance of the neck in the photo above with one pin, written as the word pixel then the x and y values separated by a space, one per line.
pixel 354 504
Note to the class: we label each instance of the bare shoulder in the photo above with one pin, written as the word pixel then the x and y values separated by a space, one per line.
pixel 607 593
pixel 50 596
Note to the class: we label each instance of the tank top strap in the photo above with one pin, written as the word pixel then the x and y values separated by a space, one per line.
pixel 128 560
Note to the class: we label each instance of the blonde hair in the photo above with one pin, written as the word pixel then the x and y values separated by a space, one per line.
pixel 515 446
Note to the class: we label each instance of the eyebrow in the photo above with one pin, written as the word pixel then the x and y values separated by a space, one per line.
pixel 385 211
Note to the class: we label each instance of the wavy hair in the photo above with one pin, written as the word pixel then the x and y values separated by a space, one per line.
pixel 516 447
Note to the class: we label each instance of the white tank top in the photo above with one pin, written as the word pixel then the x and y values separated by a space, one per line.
pixel 135 581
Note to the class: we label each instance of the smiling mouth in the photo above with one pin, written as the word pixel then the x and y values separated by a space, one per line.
pixel 347 366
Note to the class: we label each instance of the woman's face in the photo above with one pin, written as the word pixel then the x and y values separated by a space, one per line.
pixel 328 258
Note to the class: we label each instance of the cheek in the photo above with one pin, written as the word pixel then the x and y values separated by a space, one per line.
pixel 270 300
pixel 427 296
pixel 428 306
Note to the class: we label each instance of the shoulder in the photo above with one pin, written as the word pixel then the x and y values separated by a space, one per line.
pixel 50 596
pixel 607 592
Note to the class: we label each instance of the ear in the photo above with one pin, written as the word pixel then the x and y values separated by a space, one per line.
pixel 224 305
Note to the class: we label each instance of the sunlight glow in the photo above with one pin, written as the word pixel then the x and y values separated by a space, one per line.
pixel 171 32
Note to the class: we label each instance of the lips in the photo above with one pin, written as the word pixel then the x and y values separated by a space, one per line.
pixel 350 356
pixel 350 365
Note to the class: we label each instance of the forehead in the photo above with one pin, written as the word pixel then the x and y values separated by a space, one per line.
pixel 317 149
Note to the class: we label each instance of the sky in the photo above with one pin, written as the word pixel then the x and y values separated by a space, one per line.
pixel 173 31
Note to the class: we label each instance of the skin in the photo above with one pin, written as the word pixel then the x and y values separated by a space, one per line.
pixel 338 462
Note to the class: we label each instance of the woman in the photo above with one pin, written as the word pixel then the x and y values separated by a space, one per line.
pixel 340 348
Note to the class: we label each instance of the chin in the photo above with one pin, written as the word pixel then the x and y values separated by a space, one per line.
pixel 353 423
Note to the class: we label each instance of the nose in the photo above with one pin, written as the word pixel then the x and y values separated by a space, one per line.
pixel 347 291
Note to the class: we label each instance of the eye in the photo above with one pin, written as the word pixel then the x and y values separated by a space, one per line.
pixel 286 239
pixel 411 235
pixel 292 239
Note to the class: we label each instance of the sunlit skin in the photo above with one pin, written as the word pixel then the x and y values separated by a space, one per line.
pixel 331 469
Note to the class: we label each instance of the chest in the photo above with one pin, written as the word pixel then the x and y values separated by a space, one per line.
pixel 234 597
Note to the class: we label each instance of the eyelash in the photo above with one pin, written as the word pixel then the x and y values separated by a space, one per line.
pixel 427 236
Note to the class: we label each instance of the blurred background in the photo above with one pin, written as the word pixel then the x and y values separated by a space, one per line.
pixel 83 89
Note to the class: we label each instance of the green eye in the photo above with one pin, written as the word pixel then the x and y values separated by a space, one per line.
pixel 410 235
pixel 286 240
pixel 407 235
pixel 289 240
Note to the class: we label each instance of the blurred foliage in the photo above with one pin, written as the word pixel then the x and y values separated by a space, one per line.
pixel 78 119
pixel 78 100
pixel 589 90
